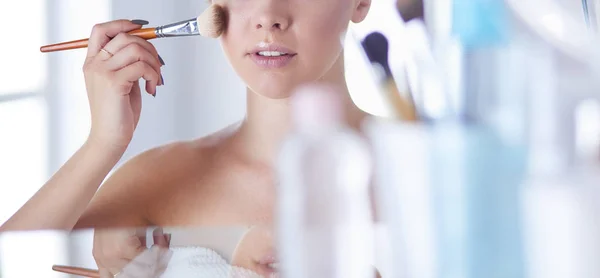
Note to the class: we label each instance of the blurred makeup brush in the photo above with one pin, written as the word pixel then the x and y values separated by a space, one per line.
pixel 211 23
pixel 77 271
pixel 376 47
pixel 410 9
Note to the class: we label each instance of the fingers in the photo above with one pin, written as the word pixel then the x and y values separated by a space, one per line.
pixel 130 54
pixel 151 263
pixel 131 249
pixel 115 261
pixel 104 32
pixel 141 235
pixel 115 249
pixel 122 40
pixel 116 266
pixel 117 65
pixel 112 266
pixel 128 49
pixel 161 239
pixel 137 70
pixel 125 252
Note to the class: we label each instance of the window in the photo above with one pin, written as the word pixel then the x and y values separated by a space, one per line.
pixel 23 66
pixel 22 108
pixel 43 120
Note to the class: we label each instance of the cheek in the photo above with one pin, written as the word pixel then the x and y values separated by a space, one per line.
pixel 332 15
pixel 237 18
pixel 320 34
pixel 234 39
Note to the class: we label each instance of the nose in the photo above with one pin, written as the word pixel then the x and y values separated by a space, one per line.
pixel 271 18
pixel 275 25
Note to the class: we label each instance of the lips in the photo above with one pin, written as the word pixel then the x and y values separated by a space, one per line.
pixel 271 56
pixel 271 47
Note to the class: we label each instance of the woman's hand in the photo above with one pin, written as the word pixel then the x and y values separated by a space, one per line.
pixel 114 65
pixel 123 251
pixel 111 78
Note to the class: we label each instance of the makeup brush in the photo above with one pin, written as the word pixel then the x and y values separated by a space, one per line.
pixel 211 23
pixel 376 47
pixel 410 9
pixel 92 273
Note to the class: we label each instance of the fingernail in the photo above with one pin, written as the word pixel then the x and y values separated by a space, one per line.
pixel 160 59
pixel 139 21
pixel 162 80
pixel 168 238
pixel 154 95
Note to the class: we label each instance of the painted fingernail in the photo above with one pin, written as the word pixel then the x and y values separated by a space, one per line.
pixel 139 21
pixel 162 80
pixel 160 59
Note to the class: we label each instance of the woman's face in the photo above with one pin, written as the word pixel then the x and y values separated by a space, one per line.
pixel 275 45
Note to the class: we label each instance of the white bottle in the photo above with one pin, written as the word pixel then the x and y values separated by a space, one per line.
pixel 559 198
pixel 324 217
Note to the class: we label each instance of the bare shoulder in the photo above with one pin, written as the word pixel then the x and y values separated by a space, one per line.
pixel 126 196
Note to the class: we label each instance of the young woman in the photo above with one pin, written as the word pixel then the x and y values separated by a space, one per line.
pixel 224 179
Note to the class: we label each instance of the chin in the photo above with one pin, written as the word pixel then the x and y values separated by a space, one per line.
pixel 280 84
pixel 274 91
pixel 273 87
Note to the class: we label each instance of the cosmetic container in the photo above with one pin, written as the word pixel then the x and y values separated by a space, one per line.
pixel 324 218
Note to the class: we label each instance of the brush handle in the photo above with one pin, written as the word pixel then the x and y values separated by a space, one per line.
pixel 146 33
pixel 403 107
pixel 77 271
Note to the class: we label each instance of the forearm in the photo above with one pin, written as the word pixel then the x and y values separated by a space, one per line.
pixel 64 198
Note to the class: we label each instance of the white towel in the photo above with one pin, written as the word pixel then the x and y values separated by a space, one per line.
pixel 182 262
pixel 201 262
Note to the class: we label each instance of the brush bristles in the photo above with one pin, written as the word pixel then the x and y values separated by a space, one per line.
pixel 212 22
pixel 376 47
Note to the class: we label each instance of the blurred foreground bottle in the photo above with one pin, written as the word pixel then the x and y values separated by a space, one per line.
pixel 323 214
pixel 478 151
pixel 561 193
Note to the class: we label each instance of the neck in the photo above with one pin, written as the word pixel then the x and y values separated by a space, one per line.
pixel 268 121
